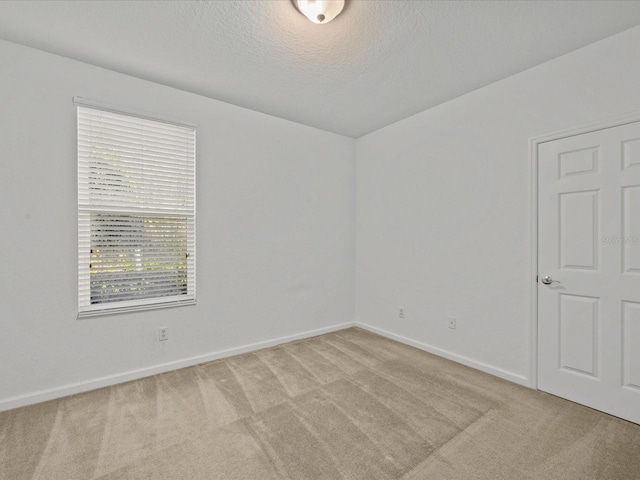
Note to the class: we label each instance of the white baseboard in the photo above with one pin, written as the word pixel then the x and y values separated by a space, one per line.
pixel 85 386
pixel 483 367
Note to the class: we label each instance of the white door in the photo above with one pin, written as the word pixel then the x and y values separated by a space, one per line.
pixel 589 249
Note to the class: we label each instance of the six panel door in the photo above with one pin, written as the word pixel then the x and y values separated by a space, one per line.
pixel 589 251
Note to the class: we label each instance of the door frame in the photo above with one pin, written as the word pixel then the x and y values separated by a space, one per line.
pixel 533 214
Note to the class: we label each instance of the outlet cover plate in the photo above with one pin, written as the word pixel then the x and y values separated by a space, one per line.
pixel 163 334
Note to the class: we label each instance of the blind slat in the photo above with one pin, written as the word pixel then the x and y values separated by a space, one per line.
pixel 132 120
pixel 94 145
pixel 138 171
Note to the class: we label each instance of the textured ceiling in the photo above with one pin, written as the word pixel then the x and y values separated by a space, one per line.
pixel 378 62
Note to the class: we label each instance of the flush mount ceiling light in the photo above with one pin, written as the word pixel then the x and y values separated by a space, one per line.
pixel 319 11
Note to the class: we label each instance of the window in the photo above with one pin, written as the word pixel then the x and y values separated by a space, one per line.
pixel 136 211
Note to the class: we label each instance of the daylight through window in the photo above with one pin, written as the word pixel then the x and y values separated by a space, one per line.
pixel 136 212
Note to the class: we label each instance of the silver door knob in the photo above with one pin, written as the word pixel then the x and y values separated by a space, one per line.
pixel 547 280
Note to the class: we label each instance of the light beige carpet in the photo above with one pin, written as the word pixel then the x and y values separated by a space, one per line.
pixel 347 405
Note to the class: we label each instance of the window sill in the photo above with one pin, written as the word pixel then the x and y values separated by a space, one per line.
pixel 134 308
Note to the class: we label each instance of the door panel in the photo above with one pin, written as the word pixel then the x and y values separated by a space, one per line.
pixel 579 334
pixel 579 162
pixel 589 243
pixel 631 219
pixel 632 339
pixel 631 153
pixel 579 230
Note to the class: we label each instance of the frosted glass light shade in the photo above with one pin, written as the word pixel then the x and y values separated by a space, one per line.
pixel 319 11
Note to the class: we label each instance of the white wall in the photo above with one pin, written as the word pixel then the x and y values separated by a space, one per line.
pixel 442 222
pixel 275 232
pixel 442 205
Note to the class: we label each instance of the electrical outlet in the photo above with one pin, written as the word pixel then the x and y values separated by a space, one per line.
pixel 452 323
pixel 401 312
pixel 163 334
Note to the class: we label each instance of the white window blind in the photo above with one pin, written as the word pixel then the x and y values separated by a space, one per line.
pixel 136 212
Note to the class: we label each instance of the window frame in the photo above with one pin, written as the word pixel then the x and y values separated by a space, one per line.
pixel 85 308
